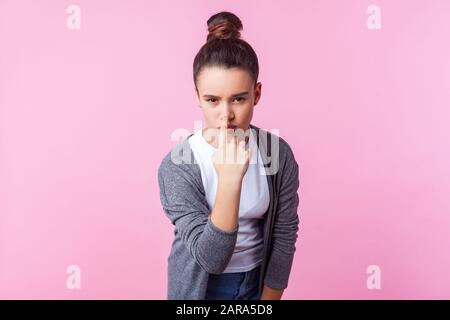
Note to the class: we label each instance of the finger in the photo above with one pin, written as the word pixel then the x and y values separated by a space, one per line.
pixel 235 146
pixel 239 134
pixel 241 152
pixel 223 139
pixel 223 132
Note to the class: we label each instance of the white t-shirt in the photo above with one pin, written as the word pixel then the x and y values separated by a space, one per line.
pixel 253 204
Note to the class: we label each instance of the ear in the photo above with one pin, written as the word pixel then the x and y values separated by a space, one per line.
pixel 257 92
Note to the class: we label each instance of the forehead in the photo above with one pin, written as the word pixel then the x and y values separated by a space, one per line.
pixel 219 81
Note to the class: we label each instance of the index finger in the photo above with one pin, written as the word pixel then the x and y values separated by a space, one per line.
pixel 223 131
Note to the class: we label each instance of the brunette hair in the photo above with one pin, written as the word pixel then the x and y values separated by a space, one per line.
pixel 225 48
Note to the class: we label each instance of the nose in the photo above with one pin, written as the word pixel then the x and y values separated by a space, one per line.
pixel 227 112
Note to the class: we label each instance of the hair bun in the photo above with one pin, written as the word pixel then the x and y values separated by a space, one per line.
pixel 224 25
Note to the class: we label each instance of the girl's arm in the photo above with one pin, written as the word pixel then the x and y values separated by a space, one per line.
pixel 186 207
pixel 225 213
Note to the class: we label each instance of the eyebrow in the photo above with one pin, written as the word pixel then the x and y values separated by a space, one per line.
pixel 234 95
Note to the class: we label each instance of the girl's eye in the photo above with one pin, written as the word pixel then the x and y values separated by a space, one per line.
pixel 211 99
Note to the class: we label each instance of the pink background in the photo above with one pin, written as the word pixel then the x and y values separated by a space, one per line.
pixel 87 115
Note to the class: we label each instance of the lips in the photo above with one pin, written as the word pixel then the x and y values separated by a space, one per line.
pixel 229 127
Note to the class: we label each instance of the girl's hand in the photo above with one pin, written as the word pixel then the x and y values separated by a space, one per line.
pixel 231 159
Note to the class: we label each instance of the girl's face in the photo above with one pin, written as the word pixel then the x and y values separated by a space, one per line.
pixel 227 93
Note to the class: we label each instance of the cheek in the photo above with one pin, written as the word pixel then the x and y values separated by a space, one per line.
pixel 247 111
pixel 211 117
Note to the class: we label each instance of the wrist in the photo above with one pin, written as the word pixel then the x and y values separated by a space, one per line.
pixel 230 181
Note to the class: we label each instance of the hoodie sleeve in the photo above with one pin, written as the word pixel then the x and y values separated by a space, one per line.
pixel 284 234
pixel 184 203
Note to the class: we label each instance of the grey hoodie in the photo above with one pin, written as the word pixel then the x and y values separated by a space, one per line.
pixel 199 247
